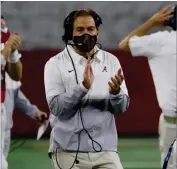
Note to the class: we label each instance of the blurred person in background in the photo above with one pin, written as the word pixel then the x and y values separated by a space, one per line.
pixel 160 49
pixel 14 97
pixel 84 88
pixel 11 64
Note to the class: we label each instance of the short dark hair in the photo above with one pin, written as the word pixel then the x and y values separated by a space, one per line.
pixel 88 12
pixel 69 20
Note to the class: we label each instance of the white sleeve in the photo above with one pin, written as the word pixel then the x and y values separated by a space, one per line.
pixel 52 80
pixel 147 45
pixel 61 103
pixel 120 102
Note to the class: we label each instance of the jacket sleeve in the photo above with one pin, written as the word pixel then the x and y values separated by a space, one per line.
pixel 22 104
pixel 61 103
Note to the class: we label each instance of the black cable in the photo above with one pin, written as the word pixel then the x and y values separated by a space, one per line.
pixel 17 147
pixel 14 142
pixel 43 118
pixel 84 129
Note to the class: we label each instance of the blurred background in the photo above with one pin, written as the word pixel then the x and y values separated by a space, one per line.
pixel 40 25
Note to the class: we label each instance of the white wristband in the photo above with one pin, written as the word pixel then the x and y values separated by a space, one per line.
pixel 14 57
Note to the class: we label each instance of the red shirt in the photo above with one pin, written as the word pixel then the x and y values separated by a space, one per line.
pixel 4 37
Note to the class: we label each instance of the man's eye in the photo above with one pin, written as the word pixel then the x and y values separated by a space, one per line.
pixel 79 29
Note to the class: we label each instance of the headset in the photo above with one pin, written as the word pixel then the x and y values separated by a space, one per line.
pixel 68 29
pixel 68 24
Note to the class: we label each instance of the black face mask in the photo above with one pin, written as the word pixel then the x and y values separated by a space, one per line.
pixel 85 43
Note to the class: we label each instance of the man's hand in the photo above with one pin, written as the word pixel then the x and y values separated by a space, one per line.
pixel 115 83
pixel 6 51
pixel 14 42
pixel 41 117
pixel 88 75
pixel 161 17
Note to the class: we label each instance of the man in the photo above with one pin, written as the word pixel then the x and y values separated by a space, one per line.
pixel 84 89
pixel 11 64
pixel 14 98
pixel 160 49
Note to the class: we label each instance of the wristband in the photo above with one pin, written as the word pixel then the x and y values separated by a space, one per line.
pixel 14 57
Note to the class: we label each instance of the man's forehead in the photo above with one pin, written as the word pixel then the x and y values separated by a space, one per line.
pixel 84 21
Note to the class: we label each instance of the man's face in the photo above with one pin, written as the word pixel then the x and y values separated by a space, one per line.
pixel 83 25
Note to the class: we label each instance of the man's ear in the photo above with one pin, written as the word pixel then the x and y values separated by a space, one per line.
pixel 98 31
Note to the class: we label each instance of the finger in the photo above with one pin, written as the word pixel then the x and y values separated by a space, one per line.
pixel 39 118
pixel 43 117
pixel 115 81
pixel 121 77
pixel 89 59
pixel 87 67
pixel 170 9
pixel 14 37
pixel 14 45
pixel 91 71
pixel 118 78
pixel 111 86
pixel 45 114
pixel 14 40
pixel 168 17
pixel 168 12
pixel 164 9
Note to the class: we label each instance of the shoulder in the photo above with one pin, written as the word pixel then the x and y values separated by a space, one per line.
pixel 109 56
pixel 55 60
pixel 153 36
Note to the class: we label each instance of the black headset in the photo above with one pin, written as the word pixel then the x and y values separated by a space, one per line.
pixel 68 24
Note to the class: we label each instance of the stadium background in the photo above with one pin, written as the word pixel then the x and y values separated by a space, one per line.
pixel 40 25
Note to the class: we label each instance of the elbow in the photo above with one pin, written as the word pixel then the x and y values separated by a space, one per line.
pixel 121 46
pixel 124 45
pixel 60 114
pixel 59 111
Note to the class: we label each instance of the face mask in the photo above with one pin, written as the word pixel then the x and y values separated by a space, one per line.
pixel 85 43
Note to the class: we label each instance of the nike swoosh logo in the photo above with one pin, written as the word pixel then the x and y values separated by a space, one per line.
pixel 70 71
